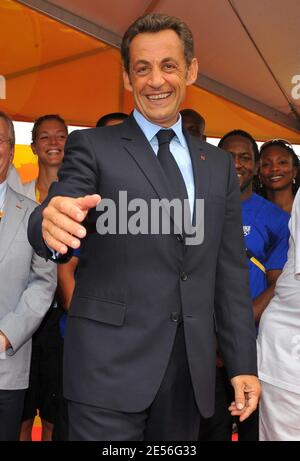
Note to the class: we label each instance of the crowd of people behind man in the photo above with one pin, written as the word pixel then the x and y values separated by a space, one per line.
pixel 36 294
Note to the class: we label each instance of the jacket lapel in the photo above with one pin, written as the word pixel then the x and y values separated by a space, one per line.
pixel 137 145
pixel 201 169
pixel 139 148
pixel 14 212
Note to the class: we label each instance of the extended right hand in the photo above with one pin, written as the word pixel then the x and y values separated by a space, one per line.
pixel 62 218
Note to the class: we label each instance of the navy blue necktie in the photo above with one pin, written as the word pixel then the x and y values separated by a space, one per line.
pixel 173 174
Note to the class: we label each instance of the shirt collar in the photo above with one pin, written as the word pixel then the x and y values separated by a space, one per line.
pixel 150 129
pixel 3 187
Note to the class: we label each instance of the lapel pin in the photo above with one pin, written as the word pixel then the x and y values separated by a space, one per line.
pixel 202 157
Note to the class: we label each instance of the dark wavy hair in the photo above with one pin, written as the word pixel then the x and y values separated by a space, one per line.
pixel 156 22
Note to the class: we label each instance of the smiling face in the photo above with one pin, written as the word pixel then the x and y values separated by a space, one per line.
pixel 6 149
pixel 241 150
pixel 50 142
pixel 276 168
pixel 159 75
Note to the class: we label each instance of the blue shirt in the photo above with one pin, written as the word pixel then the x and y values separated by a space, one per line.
pixel 178 148
pixel 3 187
pixel 266 235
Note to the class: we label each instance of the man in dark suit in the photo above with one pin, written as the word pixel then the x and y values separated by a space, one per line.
pixel 140 339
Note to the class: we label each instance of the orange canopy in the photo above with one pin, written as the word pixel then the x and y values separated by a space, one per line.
pixel 52 68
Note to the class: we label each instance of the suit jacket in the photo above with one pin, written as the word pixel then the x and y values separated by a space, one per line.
pixel 130 288
pixel 29 189
pixel 27 286
pixel 14 180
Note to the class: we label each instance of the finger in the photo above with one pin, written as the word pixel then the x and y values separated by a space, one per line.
pixel 54 220
pixel 245 414
pixel 61 242
pixel 232 406
pixel 62 235
pixel 251 406
pixel 239 397
pixel 66 206
pixel 89 201
pixel 234 411
pixel 237 412
pixel 54 244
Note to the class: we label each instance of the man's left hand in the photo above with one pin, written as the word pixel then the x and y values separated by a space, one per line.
pixel 246 394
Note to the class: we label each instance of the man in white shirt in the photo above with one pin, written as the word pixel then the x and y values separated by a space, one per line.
pixel 279 348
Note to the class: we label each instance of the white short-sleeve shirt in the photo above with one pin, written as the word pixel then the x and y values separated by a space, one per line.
pixel 279 328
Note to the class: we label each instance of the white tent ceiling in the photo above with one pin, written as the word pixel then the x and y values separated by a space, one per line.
pixel 248 50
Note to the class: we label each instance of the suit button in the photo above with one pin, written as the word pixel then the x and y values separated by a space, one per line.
pixel 183 276
pixel 174 316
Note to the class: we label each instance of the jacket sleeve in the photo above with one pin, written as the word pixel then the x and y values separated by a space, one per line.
pixel 19 325
pixel 78 176
pixel 233 306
